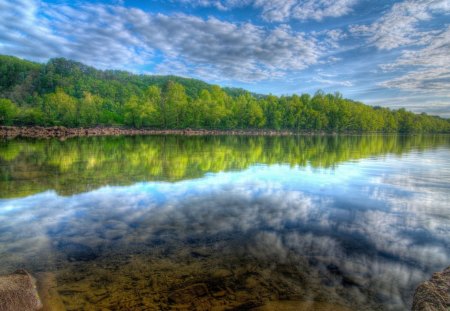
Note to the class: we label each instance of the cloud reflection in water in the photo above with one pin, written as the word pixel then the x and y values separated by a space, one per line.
pixel 382 222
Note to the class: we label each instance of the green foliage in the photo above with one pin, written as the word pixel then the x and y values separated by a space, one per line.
pixel 30 116
pixel 8 111
pixel 60 108
pixel 141 112
pixel 174 106
pixel 64 92
pixel 89 109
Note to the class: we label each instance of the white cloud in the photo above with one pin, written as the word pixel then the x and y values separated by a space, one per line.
pixel 106 36
pixel 283 10
pixel 345 83
pixel 20 29
pixel 38 31
pixel 400 25
pixel 423 63
pixel 417 103
pixel 434 54
pixel 429 80
pixel 239 51
pixel 320 9
pixel 430 66
pixel 332 37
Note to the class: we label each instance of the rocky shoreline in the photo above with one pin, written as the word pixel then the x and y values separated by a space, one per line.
pixel 64 132
pixel 19 291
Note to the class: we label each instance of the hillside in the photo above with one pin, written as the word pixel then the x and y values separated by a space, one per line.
pixel 69 93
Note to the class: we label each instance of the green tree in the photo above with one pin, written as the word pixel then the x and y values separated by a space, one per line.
pixel 8 111
pixel 216 108
pixel 138 112
pixel 89 109
pixel 151 106
pixel 174 105
pixel 272 112
pixel 60 108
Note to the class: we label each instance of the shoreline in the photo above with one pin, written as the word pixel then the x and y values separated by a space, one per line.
pixel 66 132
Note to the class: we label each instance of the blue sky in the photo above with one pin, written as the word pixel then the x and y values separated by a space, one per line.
pixel 388 53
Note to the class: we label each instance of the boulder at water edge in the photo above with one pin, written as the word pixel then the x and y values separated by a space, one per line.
pixel 434 294
pixel 18 292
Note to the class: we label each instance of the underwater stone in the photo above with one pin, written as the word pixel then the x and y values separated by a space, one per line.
pixel 434 294
pixel 18 292
pixel 77 251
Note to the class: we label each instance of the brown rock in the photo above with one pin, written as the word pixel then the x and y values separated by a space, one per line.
pixel 63 132
pixel 187 294
pixel 18 292
pixel 434 294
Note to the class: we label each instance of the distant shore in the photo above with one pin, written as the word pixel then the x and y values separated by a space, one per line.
pixel 65 132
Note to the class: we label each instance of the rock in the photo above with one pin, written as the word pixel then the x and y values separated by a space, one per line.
pixel 77 251
pixel 18 292
pixel 221 273
pixel 62 132
pixel 434 294
pixel 292 305
pixel 187 294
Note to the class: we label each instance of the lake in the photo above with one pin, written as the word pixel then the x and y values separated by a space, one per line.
pixel 226 223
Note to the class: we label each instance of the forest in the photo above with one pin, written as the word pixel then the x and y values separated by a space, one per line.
pixel 68 93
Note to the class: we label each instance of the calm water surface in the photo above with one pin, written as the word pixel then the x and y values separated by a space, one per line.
pixel 226 223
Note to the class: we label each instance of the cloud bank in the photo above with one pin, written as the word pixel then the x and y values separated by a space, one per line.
pixel 106 35
pixel 425 54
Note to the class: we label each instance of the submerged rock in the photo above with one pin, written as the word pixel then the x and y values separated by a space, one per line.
pixel 77 251
pixel 18 292
pixel 434 294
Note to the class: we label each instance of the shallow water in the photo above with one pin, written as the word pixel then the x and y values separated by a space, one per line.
pixel 222 223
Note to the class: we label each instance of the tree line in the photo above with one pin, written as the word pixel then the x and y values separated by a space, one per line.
pixel 68 93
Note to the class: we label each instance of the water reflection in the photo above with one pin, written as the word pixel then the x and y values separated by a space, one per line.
pixel 358 235
pixel 84 164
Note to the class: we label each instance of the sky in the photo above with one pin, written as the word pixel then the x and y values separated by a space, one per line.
pixel 387 53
